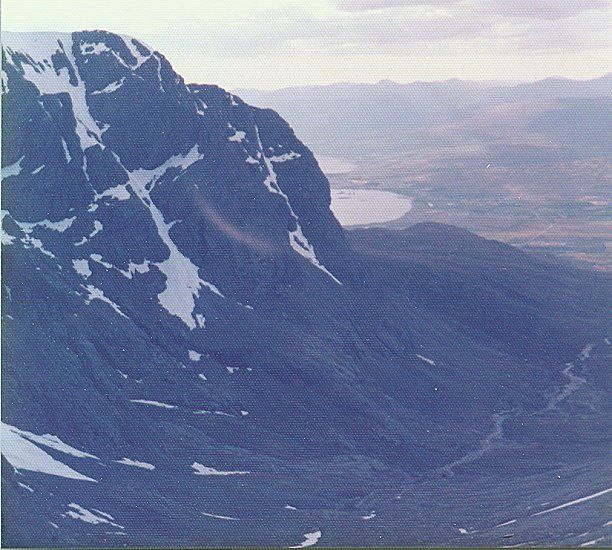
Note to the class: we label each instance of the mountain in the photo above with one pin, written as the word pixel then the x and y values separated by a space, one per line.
pixel 565 88
pixel 196 353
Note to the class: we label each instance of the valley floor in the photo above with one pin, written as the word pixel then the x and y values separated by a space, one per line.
pixel 514 490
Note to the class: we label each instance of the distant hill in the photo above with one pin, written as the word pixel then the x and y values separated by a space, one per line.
pixel 353 120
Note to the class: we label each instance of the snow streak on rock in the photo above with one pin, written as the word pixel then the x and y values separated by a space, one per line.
pixel 94 293
pixel 136 463
pixel 297 239
pixel 153 403
pixel 39 70
pixel 202 470
pixel 19 449
pixel 183 281
pixel 217 516
pixel 93 516
pixel 574 502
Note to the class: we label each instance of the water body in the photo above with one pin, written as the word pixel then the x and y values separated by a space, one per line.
pixel 334 165
pixel 368 206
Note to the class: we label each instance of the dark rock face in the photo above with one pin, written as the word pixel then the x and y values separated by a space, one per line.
pixel 182 310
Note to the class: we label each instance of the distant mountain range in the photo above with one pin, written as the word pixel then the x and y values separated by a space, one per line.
pixel 195 353
pixel 387 118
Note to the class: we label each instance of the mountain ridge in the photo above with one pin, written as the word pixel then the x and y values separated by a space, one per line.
pixel 605 79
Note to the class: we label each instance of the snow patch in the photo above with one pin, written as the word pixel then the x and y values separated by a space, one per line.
pixel 202 470
pixel 136 463
pixel 573 385
pixel 12 169
pixel 133 268
pixel 26 487
pixel 200 106
pixel 20 451
pixel 592 542
pixel 218 413
pixel 82 268
pixel 98 259
pixel 66 152
pixel 573 502
pixel 118 192
pixel 426 359
pixel 238 136
pixel 112 87
pixel 93 48
pixel 486 444
pixel 131 45
pixel 285 157
pixel 31 242
pixel 506 523
pixel 586 352
pixel 54 442
pixel 97 294
pixel 217 516
pixel 153 403
pixel 5 238
pixel 310 539
pixel 95 517
pixel 59 226
pixel 97 228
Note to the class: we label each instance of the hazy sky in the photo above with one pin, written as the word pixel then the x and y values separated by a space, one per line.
pixel 277 43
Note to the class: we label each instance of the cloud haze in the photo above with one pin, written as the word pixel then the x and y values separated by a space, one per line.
pixel 275 43
pixel 537 9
